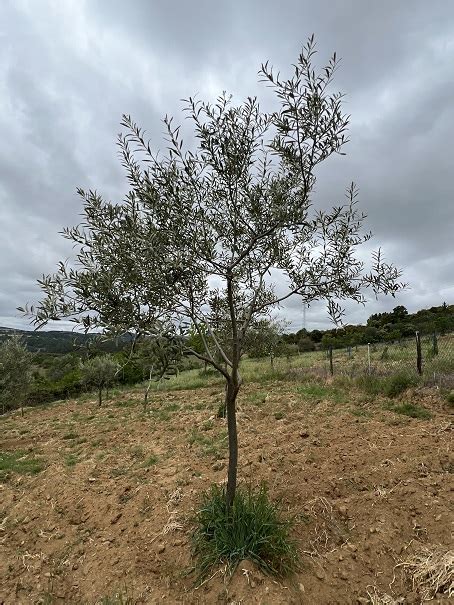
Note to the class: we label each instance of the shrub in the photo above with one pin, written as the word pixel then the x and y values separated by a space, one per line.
pixel 289 350
pixel 305 344
pixel 250 529
pixel 450 398
pixel 15 373
pixel 385 354
pixel 398 384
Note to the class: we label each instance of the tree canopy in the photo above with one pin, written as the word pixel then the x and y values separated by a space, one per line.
pixel 204 229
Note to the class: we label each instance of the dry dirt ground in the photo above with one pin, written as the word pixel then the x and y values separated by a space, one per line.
pixel 107 519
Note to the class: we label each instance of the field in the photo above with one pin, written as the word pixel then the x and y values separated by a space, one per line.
pixel 97 502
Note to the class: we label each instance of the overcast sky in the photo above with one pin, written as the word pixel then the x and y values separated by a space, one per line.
pixel 70 68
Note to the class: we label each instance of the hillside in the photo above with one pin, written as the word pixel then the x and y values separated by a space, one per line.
pixel 56 341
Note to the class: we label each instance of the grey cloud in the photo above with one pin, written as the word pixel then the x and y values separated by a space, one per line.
pixel 68 71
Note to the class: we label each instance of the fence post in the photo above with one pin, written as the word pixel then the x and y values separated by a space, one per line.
pixel 368 357
pixel 331 367
pixel 435 344
pixel 418 354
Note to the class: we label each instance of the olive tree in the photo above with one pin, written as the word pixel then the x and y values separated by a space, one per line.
pixel 15 373
pixel 205 229
pixel 265 339
pixel 99 372
pixel 158 357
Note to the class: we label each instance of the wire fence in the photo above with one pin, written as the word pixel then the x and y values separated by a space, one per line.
pixel 429 356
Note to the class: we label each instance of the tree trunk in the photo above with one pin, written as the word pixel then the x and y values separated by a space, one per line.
pixel 230 403
pixel 100 396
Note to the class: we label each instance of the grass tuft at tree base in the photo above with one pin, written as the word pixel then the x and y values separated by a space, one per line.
pixel 251 529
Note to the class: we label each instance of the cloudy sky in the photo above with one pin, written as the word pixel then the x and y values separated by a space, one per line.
pixel 70 68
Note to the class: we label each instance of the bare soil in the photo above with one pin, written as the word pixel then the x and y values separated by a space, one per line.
pixel 110 512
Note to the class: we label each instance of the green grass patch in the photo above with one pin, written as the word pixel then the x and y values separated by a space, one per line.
pixel 151 460
pixel 127 403
pixel 189 380
pixel 213 446
pixel 361 413
pixel 251 529
pixel 257 398
pixel 317 391
pixel 97 443
pixel 399 383
pixel 411 410
pixel 390 386
pixel 19 462
pixel 70 435
pixel 137 452
pixel 261 374
pixel 118 472
pixel 71 460
pixel 160 414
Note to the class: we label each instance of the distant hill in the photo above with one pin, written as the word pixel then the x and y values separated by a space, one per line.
pixel 380 327
pixel 55 341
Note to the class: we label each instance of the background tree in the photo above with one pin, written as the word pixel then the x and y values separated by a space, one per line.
pixel 15 373
pixel 100 372
pixel 159 357
pixel 305 344
pixel 265 339
pixel 203 231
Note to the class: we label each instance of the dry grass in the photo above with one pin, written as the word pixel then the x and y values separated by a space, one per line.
pixel 432 572
pixel 377 598
pixel 330 531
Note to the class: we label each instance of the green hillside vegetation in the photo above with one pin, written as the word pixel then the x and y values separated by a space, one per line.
pixel 58 356
pixel 380 327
